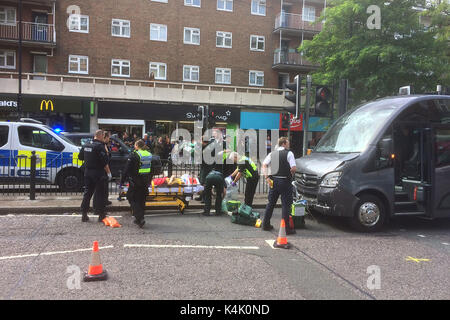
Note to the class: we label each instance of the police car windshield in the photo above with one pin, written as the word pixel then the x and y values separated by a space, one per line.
pixel 353 132
pixel 61 136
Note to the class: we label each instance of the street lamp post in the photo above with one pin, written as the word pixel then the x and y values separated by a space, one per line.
pixel 19 96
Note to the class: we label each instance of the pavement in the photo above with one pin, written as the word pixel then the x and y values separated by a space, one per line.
pixel 71 204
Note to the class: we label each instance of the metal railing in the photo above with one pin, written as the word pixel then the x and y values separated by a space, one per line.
pixel 296 22
pixel 37 175
pixel 31 31
pixel 291 58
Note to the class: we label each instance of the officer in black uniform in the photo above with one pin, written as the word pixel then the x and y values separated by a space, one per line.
pixel 95 161
pixel 138 169
pixel 282 167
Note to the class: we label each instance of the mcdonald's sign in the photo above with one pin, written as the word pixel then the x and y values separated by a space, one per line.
pixel 47 103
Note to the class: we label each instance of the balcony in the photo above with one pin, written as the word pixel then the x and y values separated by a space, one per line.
pixel 295 24
pixel 32 34
pixel 284 60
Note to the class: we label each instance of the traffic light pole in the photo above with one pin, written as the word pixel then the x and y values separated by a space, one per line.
pixel 306 119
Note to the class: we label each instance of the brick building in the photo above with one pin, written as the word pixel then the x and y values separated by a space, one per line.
pixel 239 52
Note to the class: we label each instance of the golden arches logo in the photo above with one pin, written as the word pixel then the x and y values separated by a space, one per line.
pixel 47 103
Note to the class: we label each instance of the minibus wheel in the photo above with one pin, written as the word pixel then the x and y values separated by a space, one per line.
pixel 370 214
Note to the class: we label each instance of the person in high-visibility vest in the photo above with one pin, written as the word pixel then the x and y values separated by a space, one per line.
pixel 247 168
pixel 138 169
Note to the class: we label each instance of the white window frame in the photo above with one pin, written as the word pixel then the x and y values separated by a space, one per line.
pixel 257 74
pixel 191 36
pixel 306 14
pixel 6 52
pixel 225 4
pixel 225 35
pixel 259 5
pixel 190 73
pixel 222 72
pixel 5 10
pixel 158 64
pixel 79 64
pixel 258 38
pixel 163 1
pixel 78 17
pixel 121 27
pixel 190 3
pixel 120 65
pixel 159 27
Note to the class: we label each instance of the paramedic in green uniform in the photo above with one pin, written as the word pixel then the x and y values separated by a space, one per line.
pixel 214 179
pixel 248 169
pixel 138 169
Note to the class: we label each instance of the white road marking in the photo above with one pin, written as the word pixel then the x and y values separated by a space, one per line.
pixel 446 244
pixel 188 246
pixel 421 235
pixel 271 243
pixel 50 253
pixel 53 215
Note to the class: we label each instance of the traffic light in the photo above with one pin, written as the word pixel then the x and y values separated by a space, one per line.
pixel 323 105
pixel 211 119
pixel 285 120
pixel 200 115
pixel 294 97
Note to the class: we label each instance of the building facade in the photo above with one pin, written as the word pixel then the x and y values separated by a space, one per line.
pixel 223 53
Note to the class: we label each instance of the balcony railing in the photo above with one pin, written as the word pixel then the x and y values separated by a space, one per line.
pixel 291 58
pixel 296 22
pixel 37 32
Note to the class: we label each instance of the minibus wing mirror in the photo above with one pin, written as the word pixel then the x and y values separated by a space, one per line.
pixel 386 148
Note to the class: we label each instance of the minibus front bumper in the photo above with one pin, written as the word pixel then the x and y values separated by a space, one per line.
pixel 331 201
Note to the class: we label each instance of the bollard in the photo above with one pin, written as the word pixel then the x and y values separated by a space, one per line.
pixel 170 168
pixel 33 176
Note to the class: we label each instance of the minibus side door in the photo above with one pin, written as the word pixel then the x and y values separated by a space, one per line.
pixel 441 170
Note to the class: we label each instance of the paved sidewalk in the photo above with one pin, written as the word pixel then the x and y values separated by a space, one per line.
pixel 71 204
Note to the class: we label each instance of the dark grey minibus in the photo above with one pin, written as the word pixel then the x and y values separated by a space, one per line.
pixel 389 157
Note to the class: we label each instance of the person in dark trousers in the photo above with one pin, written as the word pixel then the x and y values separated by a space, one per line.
pixel 107 179
pixel 248 169
pixel 95 162
pixel 138 169
pixel 205 168
pixel 279 167
pixel 214 179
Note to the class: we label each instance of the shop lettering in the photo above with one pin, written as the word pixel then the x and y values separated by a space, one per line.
pixel 6 103
pixel 190 115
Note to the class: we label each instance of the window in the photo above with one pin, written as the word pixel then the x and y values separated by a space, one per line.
pixel 257 43
pixel 158 32
pixel 120 68
pixel 225 5
pixel 7 15
pixel 4 135
pixel 256 78
pixel 7 59
pixel 78 64
pixel 159 70
pixel 193 3
pixel 79 23
pixel 442 147
pixel 38 138
pixel 192 36
pixel 120 28
pixel 223 75
pixel 191 73
pixel 259 7
pixel 223 39
pixel 309 14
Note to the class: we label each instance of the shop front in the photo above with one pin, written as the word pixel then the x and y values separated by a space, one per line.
pixel 59 113
pixel 157 119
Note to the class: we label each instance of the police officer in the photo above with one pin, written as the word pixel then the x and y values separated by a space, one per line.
pixel 281 164
pixel 214 179
pixel 105 195
pixel 248 169
pixel 95 162
pixel 138 169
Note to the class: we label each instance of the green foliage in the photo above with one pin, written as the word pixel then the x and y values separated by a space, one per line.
pixel 377 62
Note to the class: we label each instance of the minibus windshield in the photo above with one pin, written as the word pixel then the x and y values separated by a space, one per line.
pixel 353 132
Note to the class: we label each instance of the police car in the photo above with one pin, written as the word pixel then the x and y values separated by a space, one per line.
pixel 57 157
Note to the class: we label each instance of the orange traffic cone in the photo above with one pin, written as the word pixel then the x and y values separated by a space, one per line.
pixel 95 272
pixel 112 222
pixel 282 239
pixel 291 223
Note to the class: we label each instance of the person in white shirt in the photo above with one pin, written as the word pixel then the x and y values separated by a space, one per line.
pixel 278 168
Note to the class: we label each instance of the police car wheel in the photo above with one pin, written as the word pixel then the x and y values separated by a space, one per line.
pixel 70 181
pixel 370 214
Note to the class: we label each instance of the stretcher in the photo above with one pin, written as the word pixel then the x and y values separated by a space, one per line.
pixel 169 196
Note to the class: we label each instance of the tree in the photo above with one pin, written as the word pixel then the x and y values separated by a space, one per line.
pixel 403 51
